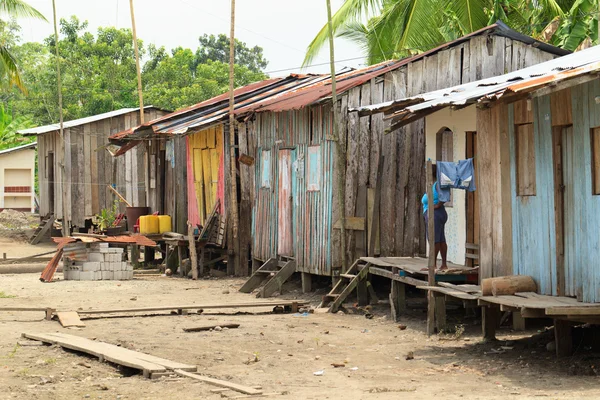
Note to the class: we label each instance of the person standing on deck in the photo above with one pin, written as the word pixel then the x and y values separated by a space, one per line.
pixel 440 217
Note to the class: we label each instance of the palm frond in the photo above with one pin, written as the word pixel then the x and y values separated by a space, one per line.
pixel 9 70
pixel 350 11
pixel 470 13
pixel 19 9
pixel 419 22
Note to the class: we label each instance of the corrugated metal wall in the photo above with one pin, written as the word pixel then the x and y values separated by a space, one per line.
pixel 311 219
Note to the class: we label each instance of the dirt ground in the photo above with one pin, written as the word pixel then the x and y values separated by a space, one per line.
pixel 279 352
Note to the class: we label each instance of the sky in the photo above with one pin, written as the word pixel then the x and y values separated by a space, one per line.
pixel 283 31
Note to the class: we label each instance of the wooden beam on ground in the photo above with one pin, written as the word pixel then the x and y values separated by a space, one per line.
pixel 209 327
pixel 49 311
pixel 217 382
pixel 196 307
pixel 69 319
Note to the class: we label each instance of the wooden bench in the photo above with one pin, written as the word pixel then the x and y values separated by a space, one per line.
pixel 472 254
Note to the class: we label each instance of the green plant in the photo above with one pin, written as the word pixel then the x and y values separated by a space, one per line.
pixel 107 216
pixel 6 296
pixel 14 351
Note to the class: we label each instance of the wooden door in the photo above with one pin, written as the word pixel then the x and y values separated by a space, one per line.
pixel 51 182
pixel 285 245
pixel 199 183
pixel 472 201
pixel 563 159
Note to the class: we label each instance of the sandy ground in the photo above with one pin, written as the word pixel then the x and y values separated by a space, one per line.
pixel 20 248
pixel 279 352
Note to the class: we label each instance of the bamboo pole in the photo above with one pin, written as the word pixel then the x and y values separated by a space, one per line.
pixel 233 172
pixel 341 151
pixel 431 237
pixel 137 62
pixel 66 140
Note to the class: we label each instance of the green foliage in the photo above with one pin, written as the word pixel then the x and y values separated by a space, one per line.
pixel 400 28
pixel 6 296
pixel 9 125
pixel 107 216
pixel 99 72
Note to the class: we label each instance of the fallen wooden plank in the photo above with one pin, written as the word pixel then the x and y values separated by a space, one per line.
pixel 96 349
pixel 220 383
pixel 209 327
pixel 69 318
pixel 196 306
pixel 221 390
pixel 102 346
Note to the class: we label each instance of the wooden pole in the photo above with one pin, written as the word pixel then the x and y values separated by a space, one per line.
pixel 233 173
pixel 431 237
pixel 66 140
pixel 341 151
pixel 137 62
pixel 193 254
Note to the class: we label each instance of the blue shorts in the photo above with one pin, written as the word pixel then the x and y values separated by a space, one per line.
pixel 440 217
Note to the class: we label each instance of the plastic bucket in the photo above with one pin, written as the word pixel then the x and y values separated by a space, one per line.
pixel 133 213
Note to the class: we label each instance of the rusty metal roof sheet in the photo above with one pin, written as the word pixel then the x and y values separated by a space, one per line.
pixel 550 73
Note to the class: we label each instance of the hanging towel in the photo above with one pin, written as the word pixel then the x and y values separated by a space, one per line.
pixel 465 175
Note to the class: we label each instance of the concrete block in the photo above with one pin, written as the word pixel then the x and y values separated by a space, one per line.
pixel 99 245
pixel 96 257
pixel 130 274
pixel 66 274
pixel 74 275
pixel 107 275
pixel 91 266
pixel 117 275
pixel 127 267
pixel 87 276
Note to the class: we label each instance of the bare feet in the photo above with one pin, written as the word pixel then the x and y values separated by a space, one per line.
pixel 443 267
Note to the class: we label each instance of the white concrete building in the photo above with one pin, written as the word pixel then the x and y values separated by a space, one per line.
pixel 17 178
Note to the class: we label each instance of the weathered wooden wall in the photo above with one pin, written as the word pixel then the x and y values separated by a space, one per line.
pixel 535 239
pixel 93 168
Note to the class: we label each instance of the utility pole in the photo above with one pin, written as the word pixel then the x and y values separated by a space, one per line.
pixel 233 189
pixel 66 162
pixel 341 151
pixel 137 62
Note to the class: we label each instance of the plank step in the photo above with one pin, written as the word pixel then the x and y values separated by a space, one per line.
pixel 348 276
pixel 264 271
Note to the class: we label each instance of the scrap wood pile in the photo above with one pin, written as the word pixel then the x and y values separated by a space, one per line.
pixel 50 270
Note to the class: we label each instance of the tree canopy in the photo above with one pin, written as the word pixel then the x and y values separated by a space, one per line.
pixel 399 28
pixel 99 74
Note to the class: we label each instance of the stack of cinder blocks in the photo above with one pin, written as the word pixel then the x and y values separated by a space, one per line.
pixel 95 262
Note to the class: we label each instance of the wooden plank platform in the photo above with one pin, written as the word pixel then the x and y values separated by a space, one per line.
pixel 69 318
pixel 449 292
pixel 104 351
pixel 415 266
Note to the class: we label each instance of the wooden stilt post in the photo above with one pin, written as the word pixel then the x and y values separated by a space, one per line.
pixel 306 282
pixel 489 321
pixel 431 236
pixel 193 257
pixel 233 205
pixel 563 336
pixel 137 62
pixel 66 140
pixel 340 149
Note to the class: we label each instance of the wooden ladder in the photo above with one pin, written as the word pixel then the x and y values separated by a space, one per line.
pixel 42 229
pixel 275 272
pixel 347 283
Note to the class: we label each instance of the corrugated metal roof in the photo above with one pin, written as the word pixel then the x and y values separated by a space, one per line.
pixel 40 130
pixel 22 147
pixel 525 80
pixel 297 91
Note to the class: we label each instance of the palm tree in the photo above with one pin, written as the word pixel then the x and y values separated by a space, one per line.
pixel 399 28
pixel 8 64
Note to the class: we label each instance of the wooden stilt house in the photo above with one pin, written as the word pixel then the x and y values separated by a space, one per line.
pixel 538 148
pixel 91 168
